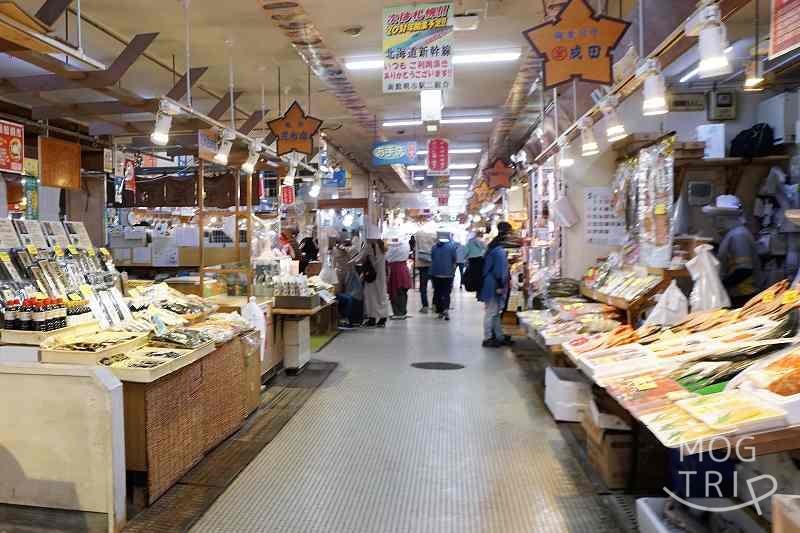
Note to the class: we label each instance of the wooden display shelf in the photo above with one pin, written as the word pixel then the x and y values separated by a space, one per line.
pixel 634 307
pixel 300 312
pixel 82 358
pixel 149 375
pixel 36 338
pixel 619 303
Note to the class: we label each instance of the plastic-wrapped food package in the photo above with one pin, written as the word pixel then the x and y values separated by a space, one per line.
pixel 708 292
pixel 655 185
pixel 672 307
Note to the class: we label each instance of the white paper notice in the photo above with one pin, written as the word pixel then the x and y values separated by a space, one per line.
pixel 165 252
pixel 30 232
pixel 78 234
pixel 600 225
pixel 142 255
pixel 56 234
pixel 8 235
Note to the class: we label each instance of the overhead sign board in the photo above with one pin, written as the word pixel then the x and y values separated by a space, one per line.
pixel 784 29
pixel 418 47
pixel 295 131
pixel 577 43
pixel 394 153
pixel 499 174
pixel 438 157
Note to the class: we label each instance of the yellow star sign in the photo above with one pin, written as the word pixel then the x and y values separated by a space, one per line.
pixel 295 131
pixel 499 175
pixel 577 44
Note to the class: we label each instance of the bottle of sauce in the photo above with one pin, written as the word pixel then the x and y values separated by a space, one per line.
pixel 10 314
pixel 39 315
pixel 24 318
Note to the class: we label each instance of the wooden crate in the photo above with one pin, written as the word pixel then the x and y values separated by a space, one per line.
pixel 36 338
pixel 297 302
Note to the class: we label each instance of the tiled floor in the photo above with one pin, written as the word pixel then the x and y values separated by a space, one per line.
pixel 383 447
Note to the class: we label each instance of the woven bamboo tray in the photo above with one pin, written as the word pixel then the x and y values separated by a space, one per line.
pixel 54 355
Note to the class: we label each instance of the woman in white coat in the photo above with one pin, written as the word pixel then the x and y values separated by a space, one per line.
pixel 376 299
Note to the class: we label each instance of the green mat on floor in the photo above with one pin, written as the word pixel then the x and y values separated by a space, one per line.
pixel 318 342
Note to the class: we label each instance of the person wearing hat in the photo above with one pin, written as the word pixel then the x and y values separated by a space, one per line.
pixel 739 263
pixel 493 293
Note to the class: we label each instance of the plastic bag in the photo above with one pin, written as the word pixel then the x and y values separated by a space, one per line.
pixel 672 307
pixel 708 292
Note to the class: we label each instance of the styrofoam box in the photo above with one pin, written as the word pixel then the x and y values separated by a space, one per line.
pixel 606 420
pixel 566 412
pixel 566 385
pixel 300 328
pixel 296 356
pixel 650 515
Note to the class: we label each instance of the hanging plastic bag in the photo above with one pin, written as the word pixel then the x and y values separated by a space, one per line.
pixel 672 307
pixel 708 292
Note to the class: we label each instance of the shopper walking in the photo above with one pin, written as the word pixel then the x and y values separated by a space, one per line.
pixel 494 290
pixel 423 243
pixel 372 259
pixel 474 251
pixel 443 269
pixel 399 278
pixel 461 259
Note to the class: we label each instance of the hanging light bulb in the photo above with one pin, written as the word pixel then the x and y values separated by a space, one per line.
pixel 252 158
pixel 224 149
pixel 655 90
pixel 713 42
pixel 565 160
pixel 589 145
pixel 615 129
pixel 166 110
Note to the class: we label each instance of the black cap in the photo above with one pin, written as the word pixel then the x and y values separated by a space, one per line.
pixel 503 227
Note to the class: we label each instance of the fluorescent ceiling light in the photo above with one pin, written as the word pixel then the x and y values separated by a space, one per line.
pixel 460 178
pixel 454 166
pixel 393 123
pixel 456 151
pixel 458 120
pixel 457 186
pixel 419 178
pixel 432 128
pixel 458 59
pixel 467 120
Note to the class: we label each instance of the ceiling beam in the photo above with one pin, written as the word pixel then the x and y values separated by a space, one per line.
pixel 251 122
pixel 82 79
pixel 129 103
pixel 223 105
pixel 52 10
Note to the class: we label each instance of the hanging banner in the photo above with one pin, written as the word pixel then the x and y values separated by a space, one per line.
pixel 439 157
pixel 31 198
pixel 287 195
pixel 130 175
pixel 443 200
pixel 441 187
pixel 394 153
pixel 418 47
pixel 108 160
pixel 499 175
pixel 295 131
pixel 577 44
pixel 12 143
pixel 30 167
pixel 784 30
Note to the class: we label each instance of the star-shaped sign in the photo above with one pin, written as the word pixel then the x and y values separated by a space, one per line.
pixel 482 191
pixel 577 44
pixel 295 131
pixel 499 175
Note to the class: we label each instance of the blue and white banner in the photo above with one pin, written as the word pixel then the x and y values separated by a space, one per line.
pixel 394 153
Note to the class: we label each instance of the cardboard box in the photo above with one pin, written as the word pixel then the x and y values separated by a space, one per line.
pixel 297 302
pixel 786 513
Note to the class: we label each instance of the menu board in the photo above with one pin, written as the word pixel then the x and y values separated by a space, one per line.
pixel 30 233
pixel 78 234
pixel 56 234
pixel 8 235
pixel 601 225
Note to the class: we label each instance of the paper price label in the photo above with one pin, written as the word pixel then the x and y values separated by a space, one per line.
pixel 86 291
pixel 72 249
pixel 4 257
pixel 59 251
pixel 74 297
pixel 769 297
pixel 32 250
pixel 105 252
pixel 790 297
pixel 90 251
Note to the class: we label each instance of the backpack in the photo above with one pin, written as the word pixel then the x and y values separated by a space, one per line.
pixel 757 141
pixel 473 277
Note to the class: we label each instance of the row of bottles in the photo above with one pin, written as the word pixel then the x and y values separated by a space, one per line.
pixel 35 314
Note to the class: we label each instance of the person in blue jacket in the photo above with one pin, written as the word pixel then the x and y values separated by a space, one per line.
pixel 493 293
pixel 444 260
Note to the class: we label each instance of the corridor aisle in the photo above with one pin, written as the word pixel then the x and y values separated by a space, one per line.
pixel 384 447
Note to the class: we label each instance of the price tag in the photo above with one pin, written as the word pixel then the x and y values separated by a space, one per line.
pixel 40 296
pixel 90 251
pixel 86 291
pixel 32 250
pixel 769 297
pixel 4 257
pixel 105 253
pixel 790 297
pixel 644 384
pixel 72 249
pixel 59 251
pixel 74 297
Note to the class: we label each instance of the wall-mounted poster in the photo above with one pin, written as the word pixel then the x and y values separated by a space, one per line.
pixel 418 47
pixel 12 144
pixel 601 225
pixel 784 29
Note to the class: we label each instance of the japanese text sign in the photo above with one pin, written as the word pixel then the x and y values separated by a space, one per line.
pixel 394 153
pixel 295 131
pixel 287 194
pixel 577 44
pixel 439 157
pixel 784 30
pixel 418 47
pixel 12 141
